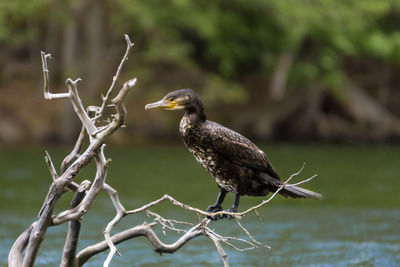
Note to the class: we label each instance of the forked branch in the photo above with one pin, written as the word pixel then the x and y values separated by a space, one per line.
pixel 24 251
pixel 200 229
pixel 29 241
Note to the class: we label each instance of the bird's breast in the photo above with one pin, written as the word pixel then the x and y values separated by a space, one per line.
pixel 185 126
pixel 197 140
pixel 210 162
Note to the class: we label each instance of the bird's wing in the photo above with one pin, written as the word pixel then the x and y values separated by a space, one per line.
pixel 239 150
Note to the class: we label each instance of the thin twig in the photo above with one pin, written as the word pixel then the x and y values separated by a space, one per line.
pixel 75 151
pixel 199 211
pixel 168 223
pixel 25 249
pixel 250 235
pixel 141 230
pixel 105 98
pixel 302 182
pixel 50 164
pixel 46 86
pixel 78 106
pixel 120 214
pixel 219 248
pixel 225 239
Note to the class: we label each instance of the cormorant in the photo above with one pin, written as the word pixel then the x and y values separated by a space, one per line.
pixel 237 165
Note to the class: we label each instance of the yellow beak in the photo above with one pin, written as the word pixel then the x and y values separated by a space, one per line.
pixel 162 104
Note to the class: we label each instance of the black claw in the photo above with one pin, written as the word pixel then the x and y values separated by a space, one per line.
pixel 217 206
pixel 228 216
pixel 214 208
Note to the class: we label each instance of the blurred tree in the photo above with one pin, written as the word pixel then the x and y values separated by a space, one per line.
pixel 271 57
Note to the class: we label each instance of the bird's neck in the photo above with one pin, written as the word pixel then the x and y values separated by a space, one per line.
pixel 196 114
pixel 191 120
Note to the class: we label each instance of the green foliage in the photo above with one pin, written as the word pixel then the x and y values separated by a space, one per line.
pixel 236 38
pixel 228 40
pixel 20 21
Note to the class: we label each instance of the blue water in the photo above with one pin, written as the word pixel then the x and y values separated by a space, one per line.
pixel 298 237
pixel 348 227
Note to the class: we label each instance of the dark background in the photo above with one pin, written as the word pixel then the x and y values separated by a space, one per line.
pixel 272 70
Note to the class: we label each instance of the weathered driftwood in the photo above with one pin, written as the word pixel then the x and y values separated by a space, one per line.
pixel 26 247
pixel 31 239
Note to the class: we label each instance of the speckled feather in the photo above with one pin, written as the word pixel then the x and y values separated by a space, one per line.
pixel 237 164
pixel 232 159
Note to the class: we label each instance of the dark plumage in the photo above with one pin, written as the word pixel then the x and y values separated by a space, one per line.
pixel 237 165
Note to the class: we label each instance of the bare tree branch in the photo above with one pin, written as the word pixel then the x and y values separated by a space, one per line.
pixel 16 252
pixel 199 229
pixel 25 249
pixel 77 212
pixel 120 214
pixel 73 186
pixel 217 244
pixel 141 230
pixel 50 164
pixel 277 191
pixel 78 106
pixel 167 223
pixel 105 98
pixel 250 235
pixel 32 238
pixel 71 242
pixel 75 151
pixel 46 87
pixel 234 214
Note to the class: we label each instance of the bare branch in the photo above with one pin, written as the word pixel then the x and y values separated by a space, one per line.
pixel 71 242
pixel 237 215
pixel 105 98
pixel 173 201
pixel 167 223
pixel 117 101
pixel 77 212
pixel 37 234
pixel 50 164
pixel 219 248
pixel 225 240
pixel 30 240
pixel 46 86
pixel 120 214
pixel 78 106
pixel 75 151
pixel 302 182
pixel 250 235
pixel 119 118
pixel 276 192
pixel 141 230
pixel 71 166
pixel 73 186
pixel 16 253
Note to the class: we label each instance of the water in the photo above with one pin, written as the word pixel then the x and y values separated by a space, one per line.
pixel 357 222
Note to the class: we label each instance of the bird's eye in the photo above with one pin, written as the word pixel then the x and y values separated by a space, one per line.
pixel 169 99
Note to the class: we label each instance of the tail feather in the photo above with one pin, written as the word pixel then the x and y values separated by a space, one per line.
pixel 298 192
pixel 289 190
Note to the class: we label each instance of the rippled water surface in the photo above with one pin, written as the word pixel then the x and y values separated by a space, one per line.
pixel 357 223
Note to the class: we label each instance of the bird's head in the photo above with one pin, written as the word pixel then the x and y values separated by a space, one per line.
pixel 185 99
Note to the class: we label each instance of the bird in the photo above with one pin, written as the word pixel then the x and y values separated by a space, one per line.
pixel 236 163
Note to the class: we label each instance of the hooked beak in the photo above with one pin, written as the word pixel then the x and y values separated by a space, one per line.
pixel 162 104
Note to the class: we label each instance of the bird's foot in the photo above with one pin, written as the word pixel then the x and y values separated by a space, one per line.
pixel 215 208
pixel 228 216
